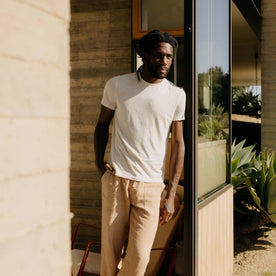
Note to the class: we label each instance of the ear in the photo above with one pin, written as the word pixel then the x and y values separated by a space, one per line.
pixel 145 57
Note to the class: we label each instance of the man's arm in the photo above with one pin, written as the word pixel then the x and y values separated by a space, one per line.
pixel 176 165
pixel 101 138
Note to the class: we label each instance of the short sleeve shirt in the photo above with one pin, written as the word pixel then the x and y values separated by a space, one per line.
pixel 143 116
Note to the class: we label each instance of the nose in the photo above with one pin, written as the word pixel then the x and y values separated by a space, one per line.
pixel 164 60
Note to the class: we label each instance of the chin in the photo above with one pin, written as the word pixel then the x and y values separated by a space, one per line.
pixel 160 76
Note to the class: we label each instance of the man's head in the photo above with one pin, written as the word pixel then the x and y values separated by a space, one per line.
pixel 157 50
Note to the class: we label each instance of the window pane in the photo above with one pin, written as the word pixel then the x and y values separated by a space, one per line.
pixel 213 93
pixel 162 14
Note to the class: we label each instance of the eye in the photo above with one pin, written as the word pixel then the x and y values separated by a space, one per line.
pixel 159 56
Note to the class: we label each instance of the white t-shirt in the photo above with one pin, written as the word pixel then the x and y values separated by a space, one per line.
pixel 142 119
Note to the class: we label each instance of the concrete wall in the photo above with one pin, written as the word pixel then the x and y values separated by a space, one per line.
pixel 268 128
pixel 100 34
pixel 34 138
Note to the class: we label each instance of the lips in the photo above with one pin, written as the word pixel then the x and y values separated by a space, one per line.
pixel 163 69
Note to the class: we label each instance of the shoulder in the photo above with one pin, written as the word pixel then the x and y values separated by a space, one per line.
pixel 121 79
pixel 178 91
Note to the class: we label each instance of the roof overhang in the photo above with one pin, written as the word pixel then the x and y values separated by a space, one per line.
pixel 251 12
pixel 246 65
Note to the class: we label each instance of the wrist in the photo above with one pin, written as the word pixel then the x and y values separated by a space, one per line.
pixel 170 192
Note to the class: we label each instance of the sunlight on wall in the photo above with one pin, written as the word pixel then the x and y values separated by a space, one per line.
pixel 34 122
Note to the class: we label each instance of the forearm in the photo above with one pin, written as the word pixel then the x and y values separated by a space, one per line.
pixel 175 167
pixel 100 141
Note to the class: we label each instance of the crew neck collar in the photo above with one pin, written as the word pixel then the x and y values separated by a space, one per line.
pixel 140 79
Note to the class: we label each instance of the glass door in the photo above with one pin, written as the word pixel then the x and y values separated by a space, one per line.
pixel 207 128
pixel 213 102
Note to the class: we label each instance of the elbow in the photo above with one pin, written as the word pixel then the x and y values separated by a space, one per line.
pixel 101 132
pixel 101 127
pixel 178 147
pixel 179 143
pixel 182 148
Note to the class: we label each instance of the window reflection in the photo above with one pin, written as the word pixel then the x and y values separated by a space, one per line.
pixel 213 93
pixel 162 14
pixel 213 116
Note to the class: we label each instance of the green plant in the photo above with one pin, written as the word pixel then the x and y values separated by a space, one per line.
pixel 254 179
pixel 212 123
pixel 245 102
pixel 218 82
pixel 263 187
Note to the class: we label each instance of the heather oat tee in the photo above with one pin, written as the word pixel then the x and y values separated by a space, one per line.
pixel 143 116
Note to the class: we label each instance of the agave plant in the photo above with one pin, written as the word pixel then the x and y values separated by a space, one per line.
pixel 243 164
pixel 254 178
pixel 263 184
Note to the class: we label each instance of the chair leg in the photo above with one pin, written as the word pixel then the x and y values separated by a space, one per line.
pixel 172 262
pixel 85 256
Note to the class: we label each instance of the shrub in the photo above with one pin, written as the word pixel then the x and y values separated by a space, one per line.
pixel 245 102
pixel 213 123
pixel 254 180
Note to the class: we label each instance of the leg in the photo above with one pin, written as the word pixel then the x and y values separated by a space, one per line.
pixel 115 220
pixel 144 218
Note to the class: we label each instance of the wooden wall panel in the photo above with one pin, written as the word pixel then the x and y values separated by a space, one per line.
pixel 268 57
pixel 100 41
pixel 215 236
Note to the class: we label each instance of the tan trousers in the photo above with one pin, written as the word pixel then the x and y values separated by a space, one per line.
pixel 129 209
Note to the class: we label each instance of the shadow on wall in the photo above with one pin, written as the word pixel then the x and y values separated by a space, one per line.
pixel 242 128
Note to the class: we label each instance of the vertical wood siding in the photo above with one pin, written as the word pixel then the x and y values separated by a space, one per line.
pixel 268 54
pixel 215 236
pixel 100 49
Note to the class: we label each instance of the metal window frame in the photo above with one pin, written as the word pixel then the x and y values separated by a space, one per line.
pixel 190 136
pixel 192 205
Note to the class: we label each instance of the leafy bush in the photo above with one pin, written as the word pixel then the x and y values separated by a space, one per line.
pixel 220 85
pixel 245 102
pixel 213 123
pixel 254 180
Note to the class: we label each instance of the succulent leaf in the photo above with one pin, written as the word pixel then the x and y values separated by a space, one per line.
pixel 255 197
pixel 235 164
pixel 273 218
pixel 237 181
pixel 271 188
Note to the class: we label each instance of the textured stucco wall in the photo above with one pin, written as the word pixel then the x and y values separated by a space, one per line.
pixel 268 74
pixel 34 137
pixel 100 37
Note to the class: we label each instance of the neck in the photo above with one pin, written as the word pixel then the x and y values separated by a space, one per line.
pixel 146 76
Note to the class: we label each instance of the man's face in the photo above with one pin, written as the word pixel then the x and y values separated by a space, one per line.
pixel 159 60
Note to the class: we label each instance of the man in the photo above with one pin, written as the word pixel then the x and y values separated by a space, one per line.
pixel 145 107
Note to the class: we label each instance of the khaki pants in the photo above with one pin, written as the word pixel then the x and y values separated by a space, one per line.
pixel 129 209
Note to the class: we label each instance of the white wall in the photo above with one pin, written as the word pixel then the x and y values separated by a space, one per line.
pixel 34 138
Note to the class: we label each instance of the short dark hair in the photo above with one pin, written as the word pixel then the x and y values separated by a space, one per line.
pixel 147 43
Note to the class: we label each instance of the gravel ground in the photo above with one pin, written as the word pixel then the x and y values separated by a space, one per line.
pixel 255 254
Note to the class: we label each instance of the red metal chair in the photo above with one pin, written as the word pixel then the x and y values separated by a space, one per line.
pixel 89 261
pixel 84 260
